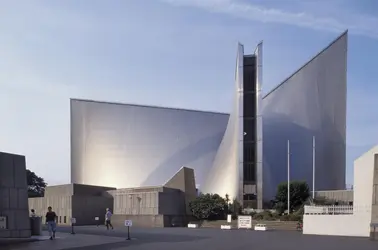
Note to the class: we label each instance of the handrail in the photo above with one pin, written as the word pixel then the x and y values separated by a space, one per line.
pixel 336 210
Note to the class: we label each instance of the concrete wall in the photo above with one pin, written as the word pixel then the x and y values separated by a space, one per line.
pixel 59 190
pixel 86 208
pixel 62 205
pixel 14 196
pixel 365 203
pixel 363 178
pixel 342 225
pixel 172 203
pixel 136 201
pixel 151 220
pixel 183 180
pixel 139 220
pixel 149 201
pixel 79 189
pixel 147 206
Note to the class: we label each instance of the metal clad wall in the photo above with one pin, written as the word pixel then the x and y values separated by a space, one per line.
pixel 312 102
pixel 123 146
pixel 226 175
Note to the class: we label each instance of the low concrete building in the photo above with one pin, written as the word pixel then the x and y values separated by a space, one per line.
pixel 82 202
pixel 14 215
pixel 160 206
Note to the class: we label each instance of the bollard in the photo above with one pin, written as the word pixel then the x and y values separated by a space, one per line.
pixel 128 224
pixel 73 222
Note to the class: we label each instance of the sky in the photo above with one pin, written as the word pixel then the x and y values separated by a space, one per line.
pixel 176 53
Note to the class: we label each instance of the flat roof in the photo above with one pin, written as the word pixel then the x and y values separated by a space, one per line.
pixel 149 106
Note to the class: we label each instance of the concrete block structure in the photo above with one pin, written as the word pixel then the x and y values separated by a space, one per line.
pixel 82 202
pixel 157 206
pixel 14 196
pixel 353 220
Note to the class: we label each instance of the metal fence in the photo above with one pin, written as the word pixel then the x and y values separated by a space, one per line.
pixel 336 210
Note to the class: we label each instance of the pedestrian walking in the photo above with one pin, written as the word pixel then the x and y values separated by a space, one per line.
pixel 108 219
pixel 51 219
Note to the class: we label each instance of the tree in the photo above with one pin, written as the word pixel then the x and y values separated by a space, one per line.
pixel 208 207
pixel 36 184
pixel 235 208
pixel 299 193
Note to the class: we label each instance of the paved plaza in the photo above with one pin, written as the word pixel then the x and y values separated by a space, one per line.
pixel 97 238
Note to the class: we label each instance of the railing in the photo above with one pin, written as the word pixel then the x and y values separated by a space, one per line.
pixel 336 210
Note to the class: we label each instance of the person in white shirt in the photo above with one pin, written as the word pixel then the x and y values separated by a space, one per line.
pixel 108 219
pixel 32 213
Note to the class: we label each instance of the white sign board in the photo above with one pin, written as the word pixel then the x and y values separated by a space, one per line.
pixel 3 222
pixel 73 220
pixel 97 218
pixel 128 223
pixel 245 221
pixel 229 218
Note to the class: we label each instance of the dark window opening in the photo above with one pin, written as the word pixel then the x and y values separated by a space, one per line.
pixel 249 197
pixel 249 105
pixel 249 152
pixel 249 127
pixel 249 172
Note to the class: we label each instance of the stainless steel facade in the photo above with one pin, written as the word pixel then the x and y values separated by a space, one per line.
pixel 125 146
pixel 311 102
pixel 259 125
pixel 226 174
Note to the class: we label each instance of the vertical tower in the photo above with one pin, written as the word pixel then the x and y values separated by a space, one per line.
pixel 237 169
pixel 252 129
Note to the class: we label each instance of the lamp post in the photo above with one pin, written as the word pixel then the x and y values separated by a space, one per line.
pixel 313 167
pixel 288 176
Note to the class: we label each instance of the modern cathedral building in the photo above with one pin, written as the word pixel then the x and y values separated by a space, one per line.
pixel 243 154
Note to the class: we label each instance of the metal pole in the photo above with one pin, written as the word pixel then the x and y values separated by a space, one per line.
pixel 72 228
pixel 128 233
pixel 288 176
pixel 313 168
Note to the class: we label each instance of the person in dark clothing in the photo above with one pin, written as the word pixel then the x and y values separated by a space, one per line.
pixel 51 222
pixel 108 218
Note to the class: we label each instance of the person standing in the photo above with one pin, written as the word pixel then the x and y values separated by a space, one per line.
pixel 32 213
pixel 108 219
pixel 51 219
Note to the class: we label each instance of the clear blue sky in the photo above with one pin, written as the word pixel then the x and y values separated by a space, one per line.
pixel 178 53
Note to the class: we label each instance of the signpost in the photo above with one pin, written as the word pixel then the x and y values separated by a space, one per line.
pixel 97 219
pixel 128 224
pixel 73 222
pixel 3 222
pixel 244 221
